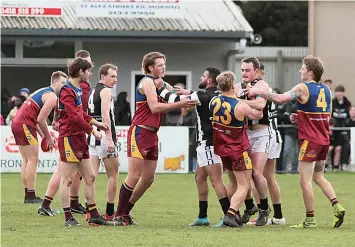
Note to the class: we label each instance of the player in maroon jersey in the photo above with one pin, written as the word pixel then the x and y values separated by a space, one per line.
pixel 142 139
pixel 74 124
pixel 54 182
pixel 30 118
pixel 313 114
pixel 231 143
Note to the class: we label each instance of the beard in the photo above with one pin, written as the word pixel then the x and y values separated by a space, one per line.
pixel 202 85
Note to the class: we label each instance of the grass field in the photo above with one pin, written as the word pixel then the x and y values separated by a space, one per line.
pixel 164 213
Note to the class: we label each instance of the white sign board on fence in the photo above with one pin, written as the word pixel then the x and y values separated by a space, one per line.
pixel 31 8
pixel 129 8
pixel 173 151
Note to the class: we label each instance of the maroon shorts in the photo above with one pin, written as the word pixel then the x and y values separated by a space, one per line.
pixel 142 143
pixel 310 151
pixel 238 161
pixel 24 134
pixel 73 149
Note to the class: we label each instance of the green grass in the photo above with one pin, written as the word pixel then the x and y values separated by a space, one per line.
pixel 164 213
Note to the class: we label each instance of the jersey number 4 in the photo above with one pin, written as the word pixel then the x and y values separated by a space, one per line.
pixel 227 118
pixel 91 105
pixel 321 101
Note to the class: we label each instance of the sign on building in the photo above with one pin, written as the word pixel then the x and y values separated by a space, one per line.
pixel 129 8
pixel 31 8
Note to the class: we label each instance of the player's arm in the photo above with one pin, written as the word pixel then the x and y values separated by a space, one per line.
pixel 85 97
pixel 149 90
pixel 165 91
pixel 260 102
pixel 243 110
pixel 106 96
pixel 50 100
pixel 39 131
pixel 67 98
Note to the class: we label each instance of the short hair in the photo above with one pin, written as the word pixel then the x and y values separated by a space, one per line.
pixel 328 80
pixel 82 54
pixel 315 65
pixel 226 80
pixel 340 88
pixel 56 75
pixel 213 73
pixel 19 101
pixel 149 60
pixel 262 67
pixel 352 106
pixel 276 90
pixel 253 60
pixel 105 68
pixel 77 64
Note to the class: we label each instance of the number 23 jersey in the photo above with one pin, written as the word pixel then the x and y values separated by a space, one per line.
pixel 314 114
pixel 229 133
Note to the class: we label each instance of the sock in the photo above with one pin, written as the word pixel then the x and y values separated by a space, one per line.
pixel 202 205
pixel 31 194
pixel 93 211
pixel 74 202
pixel 67 213
pixel 225 204
pixel 86 206
pixel 232 212
pixel 128 208
pixel 277 211
pixel 110 208
pixel 249 203
pixel 310 213
pixel 26 191
pixel 47 202
pixel 123 198
pixel 264 204
pixel 258 205
pixel 334 201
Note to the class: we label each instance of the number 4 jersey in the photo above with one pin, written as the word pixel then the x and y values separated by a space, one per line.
pixel 229 133
pixel 314 114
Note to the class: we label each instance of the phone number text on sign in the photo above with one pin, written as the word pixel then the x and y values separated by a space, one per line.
pixel 30 11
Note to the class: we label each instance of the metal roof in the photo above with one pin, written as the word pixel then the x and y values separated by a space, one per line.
pixel 203 19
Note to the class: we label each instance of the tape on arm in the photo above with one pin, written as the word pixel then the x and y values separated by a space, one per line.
pixel 293 94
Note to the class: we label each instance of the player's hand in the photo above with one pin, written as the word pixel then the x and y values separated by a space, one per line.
pixel 294 118
pixel 51 143
pixel 251 91
pixel 181 91
pixel 55 125
pixel 97 134
pixel 159 83
pixel 187 102
pixel 110 146
pixel 103 126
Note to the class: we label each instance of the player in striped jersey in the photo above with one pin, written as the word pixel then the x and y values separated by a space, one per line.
pixel 313 114
pixel 101 109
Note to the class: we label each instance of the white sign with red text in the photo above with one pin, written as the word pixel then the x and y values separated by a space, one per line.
pixel 129 8
pixel 31 8
pixel 173 151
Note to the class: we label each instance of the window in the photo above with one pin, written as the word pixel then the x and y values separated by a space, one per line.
pixel 8 48
pixel 48 49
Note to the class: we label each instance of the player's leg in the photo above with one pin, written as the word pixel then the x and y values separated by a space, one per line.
pixel 52 189
pixel 202 191
pixel 87 172
pixel 31 154
pixel 112 169
pixel 75 205
pixel 23 172
pixel 67 171
pixel 327 188
pixel 337 154
pixel 274 191
pixel 232 184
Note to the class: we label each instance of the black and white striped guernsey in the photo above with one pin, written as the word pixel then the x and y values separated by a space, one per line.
pixel 94 109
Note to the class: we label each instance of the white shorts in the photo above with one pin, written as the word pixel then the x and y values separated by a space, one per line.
pixel 260 140
pixel 206 156
pixel 101 152
pixel 275 147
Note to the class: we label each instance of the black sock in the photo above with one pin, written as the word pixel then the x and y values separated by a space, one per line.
pixel 203 205
pixel 334 201
pixel 258 205
pixel 264 204
pixel 277 211
pixel 110 208
pixel 225 204
pixel 310 214
pixel 249 203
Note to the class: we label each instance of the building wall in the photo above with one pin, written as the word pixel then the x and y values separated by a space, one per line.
pixel 331 37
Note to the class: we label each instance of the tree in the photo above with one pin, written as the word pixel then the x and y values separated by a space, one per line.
pixel 279 23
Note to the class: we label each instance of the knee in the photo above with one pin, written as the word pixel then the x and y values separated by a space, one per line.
pixel 270 178
pixel 67 180
pixel 216 182
pixel 32 159
pixel 337 149
pixel 257 174
pixel 200 178
pixel 89 179
pixel 149 180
